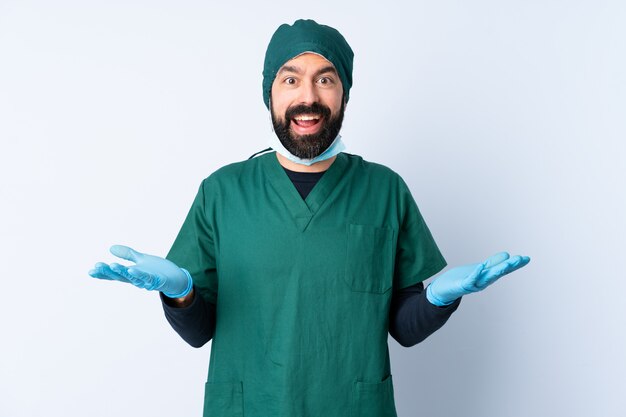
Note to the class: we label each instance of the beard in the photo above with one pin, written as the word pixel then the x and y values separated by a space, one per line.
pixel 308 146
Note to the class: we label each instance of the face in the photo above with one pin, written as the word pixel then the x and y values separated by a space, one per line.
pixel 307 105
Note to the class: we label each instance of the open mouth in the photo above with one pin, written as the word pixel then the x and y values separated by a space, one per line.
pixel 306 123
pixel 306 120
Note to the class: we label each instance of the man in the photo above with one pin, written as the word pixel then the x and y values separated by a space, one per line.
pixel 299 262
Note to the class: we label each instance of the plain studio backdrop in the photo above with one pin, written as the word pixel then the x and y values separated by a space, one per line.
pixel 506 119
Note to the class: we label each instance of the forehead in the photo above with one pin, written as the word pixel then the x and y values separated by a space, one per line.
pixel 307 61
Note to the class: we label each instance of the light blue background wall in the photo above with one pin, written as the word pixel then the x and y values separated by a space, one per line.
pixel 507 120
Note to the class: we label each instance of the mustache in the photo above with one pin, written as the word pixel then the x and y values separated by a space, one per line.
pixel 315 109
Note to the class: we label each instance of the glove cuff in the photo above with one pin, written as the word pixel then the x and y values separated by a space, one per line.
pixel 433 299
pixel 187 289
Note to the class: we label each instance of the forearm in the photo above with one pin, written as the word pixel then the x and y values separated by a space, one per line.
pixel 412 318
pixel 192 317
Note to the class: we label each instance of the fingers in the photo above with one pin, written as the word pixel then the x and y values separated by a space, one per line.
pixel 142 279
pixel 103 271
pixel 521 262
pixel 131 275
pixel 135 276
pixel 494 273
pixel 511 264
pixel 496 259
pixel 487 273
pixel 125 252
pixel 121 270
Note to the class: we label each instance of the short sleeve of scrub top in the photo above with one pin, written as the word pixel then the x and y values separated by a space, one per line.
pixel 194 247
pixel 417 255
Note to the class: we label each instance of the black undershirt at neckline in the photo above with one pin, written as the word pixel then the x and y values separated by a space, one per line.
pixel 304 181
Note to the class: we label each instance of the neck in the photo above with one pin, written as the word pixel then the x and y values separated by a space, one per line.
pixel 320 166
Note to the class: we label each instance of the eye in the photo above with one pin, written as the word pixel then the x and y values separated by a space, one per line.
pixel 325 80
pixel 290 80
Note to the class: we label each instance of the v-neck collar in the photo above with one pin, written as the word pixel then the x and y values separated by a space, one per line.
pixel 301 210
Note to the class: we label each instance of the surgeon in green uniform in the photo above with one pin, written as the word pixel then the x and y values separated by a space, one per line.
pixel 290 261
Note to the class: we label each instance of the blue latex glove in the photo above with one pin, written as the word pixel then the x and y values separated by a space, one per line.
pixel 466 279
pixel 149 272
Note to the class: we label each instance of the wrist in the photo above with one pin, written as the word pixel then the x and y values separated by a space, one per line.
pixel 187 289
pixel 180 302
pixel 436 300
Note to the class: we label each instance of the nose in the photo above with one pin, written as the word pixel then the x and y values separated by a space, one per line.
pixel 308 93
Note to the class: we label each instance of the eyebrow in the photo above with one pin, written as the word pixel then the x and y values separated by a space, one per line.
pixel 297 70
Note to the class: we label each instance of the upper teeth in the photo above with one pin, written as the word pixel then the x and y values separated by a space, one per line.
pixel 306 117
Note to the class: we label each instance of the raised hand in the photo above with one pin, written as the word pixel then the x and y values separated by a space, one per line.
pixel 470 278
pixel 149 272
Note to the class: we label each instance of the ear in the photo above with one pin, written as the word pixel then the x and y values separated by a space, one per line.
pixel 269 101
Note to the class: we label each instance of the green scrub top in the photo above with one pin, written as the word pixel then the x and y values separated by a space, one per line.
pixel 303 287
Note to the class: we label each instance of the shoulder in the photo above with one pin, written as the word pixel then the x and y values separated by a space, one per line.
pixel 234 172
pixel 373 171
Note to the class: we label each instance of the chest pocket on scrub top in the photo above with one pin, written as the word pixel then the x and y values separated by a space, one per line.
pixel 369 258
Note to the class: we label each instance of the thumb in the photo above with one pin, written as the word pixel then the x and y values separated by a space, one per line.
pixel 125 252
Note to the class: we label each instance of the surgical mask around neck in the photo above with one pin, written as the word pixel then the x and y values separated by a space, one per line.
pixel 336 147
